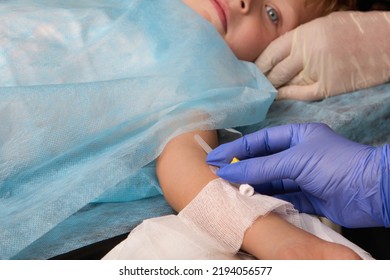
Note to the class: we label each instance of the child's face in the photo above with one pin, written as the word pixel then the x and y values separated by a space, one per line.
pixel 248 26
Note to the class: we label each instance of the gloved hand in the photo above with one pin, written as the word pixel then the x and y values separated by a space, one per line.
pixel 321 172
pixel 339 53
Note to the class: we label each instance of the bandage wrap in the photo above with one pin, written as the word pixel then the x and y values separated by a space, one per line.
pixel 224 214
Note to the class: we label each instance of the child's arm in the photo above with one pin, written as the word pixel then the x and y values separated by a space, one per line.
pixel 183 172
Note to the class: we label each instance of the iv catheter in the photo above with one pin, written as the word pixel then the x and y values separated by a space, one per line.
pixel 244 189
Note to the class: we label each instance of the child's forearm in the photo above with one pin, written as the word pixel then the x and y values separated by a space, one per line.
pixel 182 170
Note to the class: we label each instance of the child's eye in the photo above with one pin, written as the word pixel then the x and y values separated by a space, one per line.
pixel 272 14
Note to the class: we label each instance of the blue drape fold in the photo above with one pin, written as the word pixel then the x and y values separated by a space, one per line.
pixel 91 91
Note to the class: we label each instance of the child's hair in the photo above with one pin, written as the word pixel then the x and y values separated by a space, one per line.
pixel 337 5
pixel 329 6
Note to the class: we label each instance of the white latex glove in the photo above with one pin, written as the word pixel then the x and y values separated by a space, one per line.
pixel 339 53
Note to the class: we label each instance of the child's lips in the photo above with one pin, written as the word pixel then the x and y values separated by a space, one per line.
pixel 221 11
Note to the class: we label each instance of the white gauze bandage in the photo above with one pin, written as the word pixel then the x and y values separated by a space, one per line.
pixel 221 212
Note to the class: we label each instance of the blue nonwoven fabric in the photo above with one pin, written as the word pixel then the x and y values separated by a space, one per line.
pixel 93 223
pixel 91 91
pixel 362 116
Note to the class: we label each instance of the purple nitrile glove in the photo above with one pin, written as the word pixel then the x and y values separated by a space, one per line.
pixel 342 180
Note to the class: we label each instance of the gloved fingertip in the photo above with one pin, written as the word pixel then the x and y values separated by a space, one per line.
pixel 221 173
pixel 263 65
pixel 218 156
pixel 215 159
pixel 224 173
pixel 280 97
pixel 217 164
pixel 283 93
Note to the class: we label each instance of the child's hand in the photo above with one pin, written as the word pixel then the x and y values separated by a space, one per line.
pixel 339 53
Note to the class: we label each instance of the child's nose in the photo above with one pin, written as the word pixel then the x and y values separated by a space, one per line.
pixel 245 5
